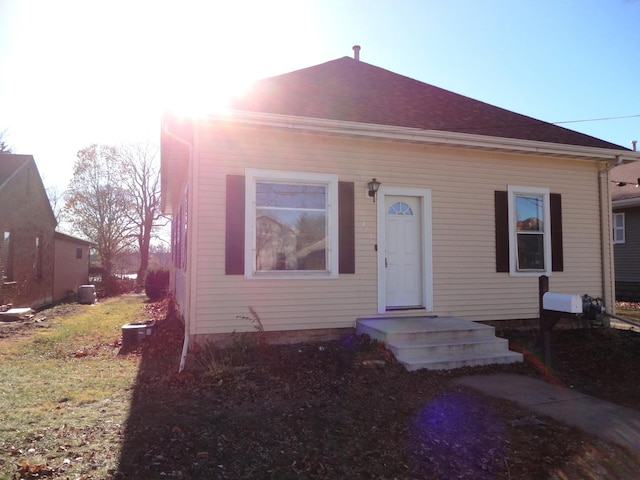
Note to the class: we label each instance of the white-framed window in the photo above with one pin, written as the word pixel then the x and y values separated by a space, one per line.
pixel 291 224
pixel 618 228
pixel 529 231
pixel 179 231
pixel 39 254
pixel 6 261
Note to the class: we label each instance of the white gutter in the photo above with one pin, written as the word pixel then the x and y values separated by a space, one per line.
pixel 187 309
pixel 417 135
pixel 192 228
pixel 608 270
pixel 626 202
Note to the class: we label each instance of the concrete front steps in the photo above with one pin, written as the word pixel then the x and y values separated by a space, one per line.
pixel 438 343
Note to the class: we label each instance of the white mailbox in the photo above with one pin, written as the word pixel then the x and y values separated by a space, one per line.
pixel 562 302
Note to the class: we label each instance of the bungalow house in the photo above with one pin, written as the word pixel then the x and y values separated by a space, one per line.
pixel 27 227
pixel 625 200
pixel 473 204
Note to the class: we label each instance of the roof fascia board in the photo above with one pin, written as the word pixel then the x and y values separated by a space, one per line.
pixel 71 238
pixel 626 202
pixel 416 135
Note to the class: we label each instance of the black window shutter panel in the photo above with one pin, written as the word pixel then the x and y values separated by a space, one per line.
pixel 502 231
pixel 557 257
pixel 346 228
pixel 234 240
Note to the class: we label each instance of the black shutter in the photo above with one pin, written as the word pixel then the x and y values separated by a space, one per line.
pixel 557 257
pixel 502 231
pixel 346 228
pixel 234 240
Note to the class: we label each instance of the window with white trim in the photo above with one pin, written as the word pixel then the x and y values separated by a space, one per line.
pixel 6 259
pixel 291 224
pixel 179 231
pixel 618 228
pixel 529 231
pixel 39 254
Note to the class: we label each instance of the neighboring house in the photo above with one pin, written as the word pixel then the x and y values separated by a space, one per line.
pixel 27 227
pixel 625 200
pixel 71 266
pixel 475 204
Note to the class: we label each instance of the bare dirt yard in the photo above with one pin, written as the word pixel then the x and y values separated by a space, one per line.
pixel 346 410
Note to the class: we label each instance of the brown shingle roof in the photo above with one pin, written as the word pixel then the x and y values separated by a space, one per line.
pixel 351 90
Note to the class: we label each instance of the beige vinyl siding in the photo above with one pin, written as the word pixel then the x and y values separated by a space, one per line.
pixel 462 182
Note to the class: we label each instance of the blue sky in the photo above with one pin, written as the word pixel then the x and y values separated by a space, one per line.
pixel 77 72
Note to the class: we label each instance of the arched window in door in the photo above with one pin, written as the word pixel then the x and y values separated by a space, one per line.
pixel 400 208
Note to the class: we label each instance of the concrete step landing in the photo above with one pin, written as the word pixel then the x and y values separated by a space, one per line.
pixel 438 343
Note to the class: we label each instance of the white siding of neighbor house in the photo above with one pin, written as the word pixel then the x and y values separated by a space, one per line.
pixel 462 183
pixel 70 271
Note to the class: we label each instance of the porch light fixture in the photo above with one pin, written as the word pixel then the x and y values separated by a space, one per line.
pixel 374 185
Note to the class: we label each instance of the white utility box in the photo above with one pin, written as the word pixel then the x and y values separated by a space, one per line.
pixel 562 302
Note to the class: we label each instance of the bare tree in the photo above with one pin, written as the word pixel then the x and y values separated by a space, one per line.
pixel 56 199
pixel 4 146
pixel 141 180
pixel 98 205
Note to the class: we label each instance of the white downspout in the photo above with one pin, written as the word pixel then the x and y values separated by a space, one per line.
pixel 608 272
pixel 187 319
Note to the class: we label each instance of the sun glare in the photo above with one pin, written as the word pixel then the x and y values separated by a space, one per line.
pixel 203 95
pixel 218 49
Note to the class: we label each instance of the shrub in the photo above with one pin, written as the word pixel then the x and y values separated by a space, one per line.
pixel 218 360
pixel 112 286
pixel 156 284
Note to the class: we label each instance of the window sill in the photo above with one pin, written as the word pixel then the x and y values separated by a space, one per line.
pixel 536 273
pixel 291 276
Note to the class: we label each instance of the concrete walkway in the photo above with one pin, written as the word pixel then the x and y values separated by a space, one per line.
pixel 606 420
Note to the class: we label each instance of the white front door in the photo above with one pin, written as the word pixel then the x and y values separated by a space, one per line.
pixel 403 252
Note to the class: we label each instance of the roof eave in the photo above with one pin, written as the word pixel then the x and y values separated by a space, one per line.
pixel 626 203
pixel 71 238
pixel 416 135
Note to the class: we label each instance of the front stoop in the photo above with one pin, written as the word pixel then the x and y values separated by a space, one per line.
pixel 438 343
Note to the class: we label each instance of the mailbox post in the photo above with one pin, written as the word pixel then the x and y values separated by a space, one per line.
pixel 553 306
pixel 547 320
